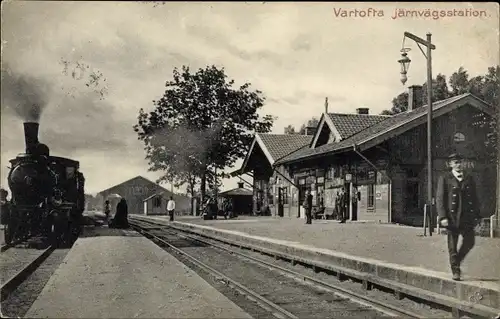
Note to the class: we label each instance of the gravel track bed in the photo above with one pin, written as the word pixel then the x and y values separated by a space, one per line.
pixel 376 293
pixel 16 258
pixel 299 299
pixel 250 307
pixel 20 300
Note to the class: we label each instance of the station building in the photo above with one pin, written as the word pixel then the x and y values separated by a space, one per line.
pixel 379 160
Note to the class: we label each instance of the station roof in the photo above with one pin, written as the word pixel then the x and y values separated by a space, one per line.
pixel 389 127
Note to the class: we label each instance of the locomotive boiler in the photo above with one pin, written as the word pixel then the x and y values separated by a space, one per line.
pixel 47 193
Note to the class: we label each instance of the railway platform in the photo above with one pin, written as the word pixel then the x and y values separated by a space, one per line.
pixel 393 256
pixel 114 273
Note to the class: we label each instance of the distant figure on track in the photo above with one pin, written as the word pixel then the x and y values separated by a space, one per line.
pixel 171 208
pixel 121 216
pixel 458 209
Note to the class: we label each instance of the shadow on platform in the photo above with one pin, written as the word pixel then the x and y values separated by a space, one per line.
pixel 105 231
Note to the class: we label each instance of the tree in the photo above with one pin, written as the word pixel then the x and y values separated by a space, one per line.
pixel 399 104
pixel 439 89
pixel 313 122
pixel 200 125
pixel 289 130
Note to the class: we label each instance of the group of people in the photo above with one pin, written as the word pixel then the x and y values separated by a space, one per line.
pixel 341 206
pixel 211 208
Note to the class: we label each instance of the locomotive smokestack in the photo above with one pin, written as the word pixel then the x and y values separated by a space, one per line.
pixel 31 136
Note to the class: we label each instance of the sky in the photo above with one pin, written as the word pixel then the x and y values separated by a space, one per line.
pixel 295 53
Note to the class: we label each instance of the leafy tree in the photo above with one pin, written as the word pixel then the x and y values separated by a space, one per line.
pixel 399 104
pixel 200 125
pixel 439 89
pixel 459 82
pixel 289 130
pixel 311 123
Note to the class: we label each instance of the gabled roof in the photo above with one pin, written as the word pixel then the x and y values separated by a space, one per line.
pixel 276 146
pixel 390 127
pixel 130 180
pixel 279 145
pixel 350 124
pixel 345 125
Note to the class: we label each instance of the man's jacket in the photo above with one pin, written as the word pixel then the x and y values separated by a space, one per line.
pixel 457 201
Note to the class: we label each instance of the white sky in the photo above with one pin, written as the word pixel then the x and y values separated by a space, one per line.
pixel 296 53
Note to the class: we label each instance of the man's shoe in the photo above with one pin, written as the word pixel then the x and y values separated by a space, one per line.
pixel 456 276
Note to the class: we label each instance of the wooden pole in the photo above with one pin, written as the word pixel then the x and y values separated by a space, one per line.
pixel 429 134
pixel 425 220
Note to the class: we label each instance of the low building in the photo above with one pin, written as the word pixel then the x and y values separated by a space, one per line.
pixel 241 199
pixel 137 189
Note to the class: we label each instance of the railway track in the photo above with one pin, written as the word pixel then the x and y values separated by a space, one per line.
pixel 6 246
pixel 343 299
pixel 18 264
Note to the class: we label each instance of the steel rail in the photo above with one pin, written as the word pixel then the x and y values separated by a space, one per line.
pixel 7 246
pixel 237 285
pixel 375 304
pixel 342 292
pixel 16 280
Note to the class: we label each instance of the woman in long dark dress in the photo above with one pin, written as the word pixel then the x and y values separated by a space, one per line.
pixel 121 216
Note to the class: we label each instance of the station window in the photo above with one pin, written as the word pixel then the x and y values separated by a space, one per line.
pixel 157 201
pixel 371 196
pixel 285 195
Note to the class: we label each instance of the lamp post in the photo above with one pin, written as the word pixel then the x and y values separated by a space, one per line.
pixel 405 64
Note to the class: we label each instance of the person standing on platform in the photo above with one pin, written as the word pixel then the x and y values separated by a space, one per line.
pixel 308 206
pixel 343 206
pixel 107 210
pixel 121 217
pixel 171 208
pixel 458 210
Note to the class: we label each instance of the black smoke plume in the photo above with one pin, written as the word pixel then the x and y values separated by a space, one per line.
pixel 23 94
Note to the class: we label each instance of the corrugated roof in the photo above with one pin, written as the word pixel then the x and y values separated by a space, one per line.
pixel 280 145
pixel 350 124
pixel 385 126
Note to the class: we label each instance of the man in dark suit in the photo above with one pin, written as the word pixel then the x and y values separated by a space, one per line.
pixel 308 206
pixel 458 209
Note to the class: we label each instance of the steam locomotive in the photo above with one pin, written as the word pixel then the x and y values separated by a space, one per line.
pixel 48 196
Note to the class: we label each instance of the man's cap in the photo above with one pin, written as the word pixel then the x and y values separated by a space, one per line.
pixel 455 156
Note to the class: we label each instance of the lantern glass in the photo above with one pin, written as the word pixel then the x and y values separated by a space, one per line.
pixel 404 78
pixel 405 63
